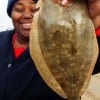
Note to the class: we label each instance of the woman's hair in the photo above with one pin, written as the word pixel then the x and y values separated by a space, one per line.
pixel 11 4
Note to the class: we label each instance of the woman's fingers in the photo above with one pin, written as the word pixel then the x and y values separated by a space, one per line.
pixel 62 2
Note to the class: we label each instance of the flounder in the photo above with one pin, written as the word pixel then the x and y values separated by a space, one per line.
pixel 63 46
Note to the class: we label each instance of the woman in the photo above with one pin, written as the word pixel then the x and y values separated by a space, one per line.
pixel 19 79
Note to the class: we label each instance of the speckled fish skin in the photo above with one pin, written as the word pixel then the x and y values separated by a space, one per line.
pixel 63 46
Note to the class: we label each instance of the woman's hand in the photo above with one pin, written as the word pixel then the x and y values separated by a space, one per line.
pixel 62 2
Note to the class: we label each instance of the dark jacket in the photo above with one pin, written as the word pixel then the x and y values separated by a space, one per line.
pixel 19 79
pixel 97 66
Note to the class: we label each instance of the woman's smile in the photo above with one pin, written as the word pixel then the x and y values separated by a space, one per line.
pixel 26 26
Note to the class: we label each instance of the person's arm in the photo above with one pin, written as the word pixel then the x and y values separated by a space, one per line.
pixel 94 10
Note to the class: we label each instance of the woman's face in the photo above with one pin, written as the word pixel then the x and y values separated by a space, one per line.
pixel 94 10
pixel 22 14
